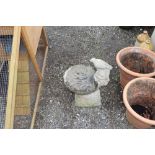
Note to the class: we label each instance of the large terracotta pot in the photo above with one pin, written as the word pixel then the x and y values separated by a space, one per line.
pixel 139 100
pixel 135 62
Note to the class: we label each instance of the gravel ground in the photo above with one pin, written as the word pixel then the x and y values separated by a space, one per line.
pixel 77 45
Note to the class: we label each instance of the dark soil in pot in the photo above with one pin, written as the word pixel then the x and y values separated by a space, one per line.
pixel 144 111
pixel 138 62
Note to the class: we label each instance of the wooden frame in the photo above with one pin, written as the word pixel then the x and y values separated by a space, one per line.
pixel 9 119
pixel 31 44
pixel 6 30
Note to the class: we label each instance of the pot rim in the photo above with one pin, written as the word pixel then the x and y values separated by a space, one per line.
pixel 127 105
pixel 129 71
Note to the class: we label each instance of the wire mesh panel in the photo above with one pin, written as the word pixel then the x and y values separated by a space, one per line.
pixel 6 38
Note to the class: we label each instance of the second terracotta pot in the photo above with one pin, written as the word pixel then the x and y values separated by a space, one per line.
pixel 135 62
pixel 139 100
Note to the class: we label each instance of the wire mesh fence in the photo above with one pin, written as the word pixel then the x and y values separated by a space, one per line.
pixel 6 35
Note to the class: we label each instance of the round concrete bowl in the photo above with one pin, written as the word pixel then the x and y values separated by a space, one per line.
pixel 140 93
pixel 135 62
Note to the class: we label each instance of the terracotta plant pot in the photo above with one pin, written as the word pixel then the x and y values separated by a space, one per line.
pixel 135 62
pixel 139 100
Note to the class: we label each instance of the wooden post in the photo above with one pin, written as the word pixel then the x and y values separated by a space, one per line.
pixel 31 52
pixel 40 84
pixel 39 91
pixel 44 36
pixel 9 119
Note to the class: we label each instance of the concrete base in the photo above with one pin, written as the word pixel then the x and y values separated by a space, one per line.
pixel 90 100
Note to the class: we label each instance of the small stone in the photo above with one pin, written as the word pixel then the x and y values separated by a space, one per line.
pixel 122 118
pixel 77 115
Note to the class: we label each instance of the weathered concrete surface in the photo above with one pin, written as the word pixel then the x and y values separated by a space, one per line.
pixel 90 100
pixel 75 45
pixel 80 79
pixel 102 73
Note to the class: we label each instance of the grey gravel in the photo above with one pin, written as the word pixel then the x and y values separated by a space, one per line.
pixel 69 46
